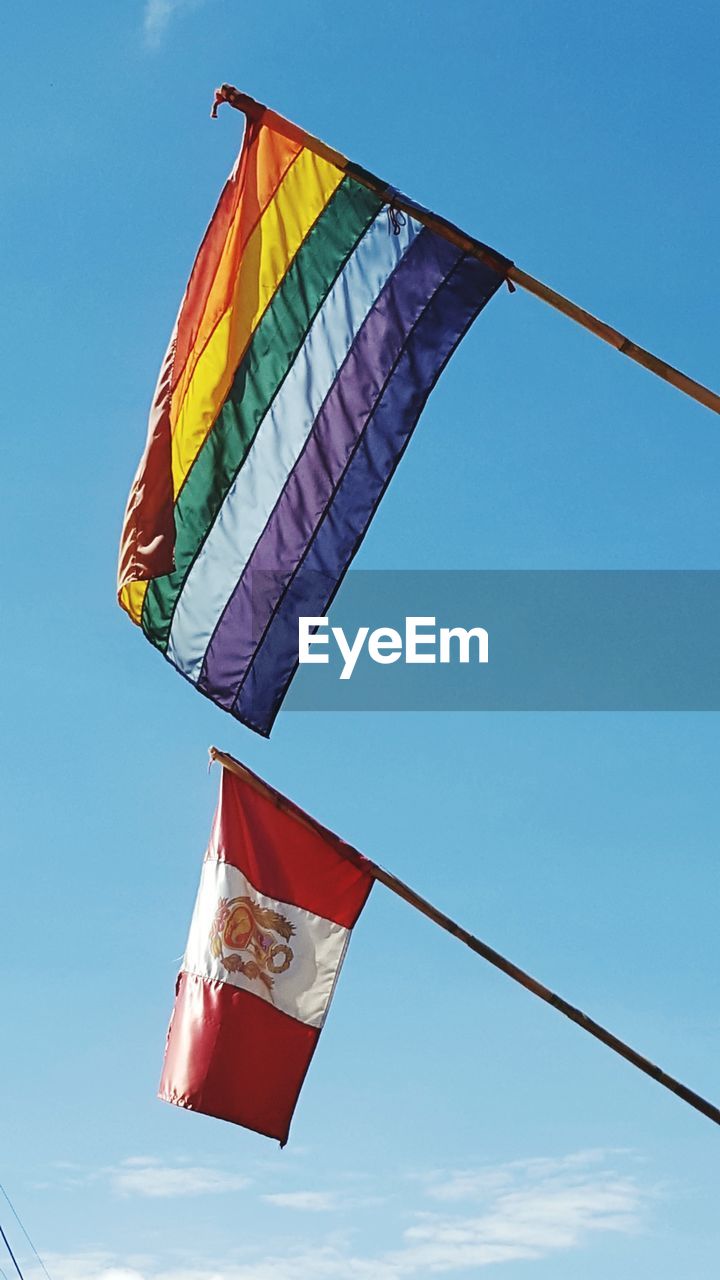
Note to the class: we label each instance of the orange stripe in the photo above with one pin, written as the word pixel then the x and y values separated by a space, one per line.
pixel 263 163
pixel 211 248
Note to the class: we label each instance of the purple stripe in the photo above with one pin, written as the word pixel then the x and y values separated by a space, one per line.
pixel 317 472
pixel 363 484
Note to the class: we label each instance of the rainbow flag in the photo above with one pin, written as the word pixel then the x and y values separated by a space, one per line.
pixel 315 323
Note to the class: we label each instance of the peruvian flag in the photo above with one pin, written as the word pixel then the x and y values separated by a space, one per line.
pixel 278 898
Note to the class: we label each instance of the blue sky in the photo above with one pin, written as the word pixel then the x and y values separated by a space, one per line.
pixel 450 1124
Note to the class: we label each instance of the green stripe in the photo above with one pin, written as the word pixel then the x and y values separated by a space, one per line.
pixel 274 347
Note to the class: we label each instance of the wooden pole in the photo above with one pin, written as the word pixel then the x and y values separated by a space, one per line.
pixel 480 948
pixel 256 111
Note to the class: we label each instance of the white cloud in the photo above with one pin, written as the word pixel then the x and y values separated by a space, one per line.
pixel 89 1266
pixel 121 1274
pixel 306 1201
pixel 465 1184
pixel 523 1210
pixel 157 17
pixel 147 1176
pixel 529 1218
pixel 531 1209
pixel 324 1262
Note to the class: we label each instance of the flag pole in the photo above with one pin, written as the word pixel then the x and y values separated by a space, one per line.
pixel 513 274
pixel 480 948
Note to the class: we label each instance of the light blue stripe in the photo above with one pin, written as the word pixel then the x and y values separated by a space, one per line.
pixel 279 442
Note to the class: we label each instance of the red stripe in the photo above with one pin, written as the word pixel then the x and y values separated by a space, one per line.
pixel 283 858
pixel 148 536
pixel 233 1056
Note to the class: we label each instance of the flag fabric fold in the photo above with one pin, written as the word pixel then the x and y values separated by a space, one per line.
pixel 277 901
pixel 313 328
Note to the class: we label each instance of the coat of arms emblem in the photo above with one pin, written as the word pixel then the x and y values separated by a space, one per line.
pixel 244 938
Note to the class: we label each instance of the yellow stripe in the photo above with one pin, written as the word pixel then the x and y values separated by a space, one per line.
pixel 300 199
pixel 132 598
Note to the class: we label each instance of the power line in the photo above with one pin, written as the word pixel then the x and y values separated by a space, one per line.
pixel 12 1255
pixel 22 1227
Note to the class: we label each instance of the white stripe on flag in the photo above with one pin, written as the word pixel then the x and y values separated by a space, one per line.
pixel 249 949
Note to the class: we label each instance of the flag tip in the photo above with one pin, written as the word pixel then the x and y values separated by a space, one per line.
pixel 240 101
